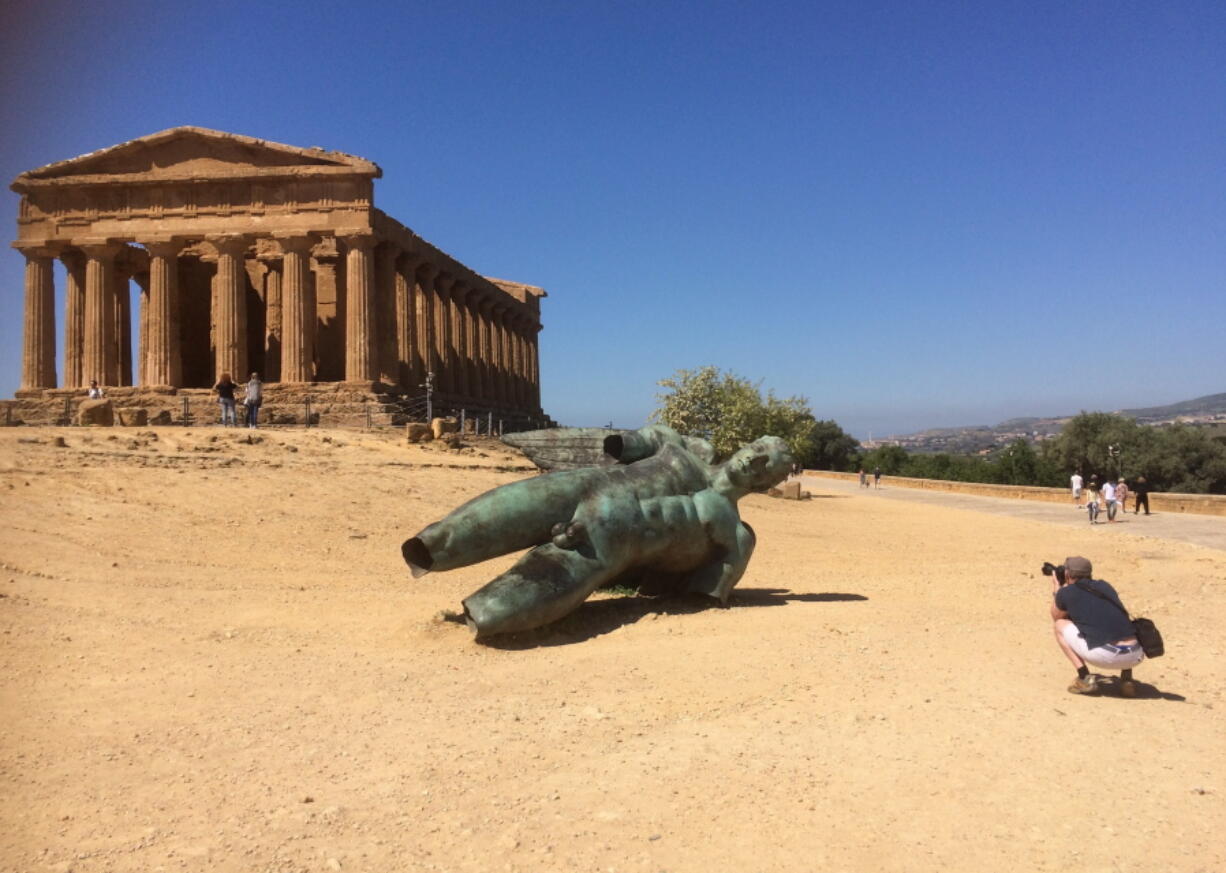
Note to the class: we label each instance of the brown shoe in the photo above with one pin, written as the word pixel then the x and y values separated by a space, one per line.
pixel 1087 685
pixel 1128 688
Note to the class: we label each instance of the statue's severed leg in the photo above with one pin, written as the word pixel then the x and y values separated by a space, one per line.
pixel 544 585
pixel 516 516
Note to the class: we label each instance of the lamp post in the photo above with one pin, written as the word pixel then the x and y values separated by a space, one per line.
pixel 429 386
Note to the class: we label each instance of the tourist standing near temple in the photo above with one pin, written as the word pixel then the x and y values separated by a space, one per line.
pixel 95 393
pixel 255 396
pixel 225 396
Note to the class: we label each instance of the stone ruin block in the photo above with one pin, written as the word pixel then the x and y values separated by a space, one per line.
pixel 789 491
pixel 133 416
pixel 440 426
pixel 97 413
pixel 418 432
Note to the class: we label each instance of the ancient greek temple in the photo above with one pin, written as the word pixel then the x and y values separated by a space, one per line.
pixel 244 255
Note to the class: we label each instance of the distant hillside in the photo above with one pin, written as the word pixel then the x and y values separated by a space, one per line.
pixel 978 438
pixel 1202 407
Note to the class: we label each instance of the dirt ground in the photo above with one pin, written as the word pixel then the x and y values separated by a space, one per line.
pixel 213 658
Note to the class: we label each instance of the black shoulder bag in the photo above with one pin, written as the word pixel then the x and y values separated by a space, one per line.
pixel 1146 631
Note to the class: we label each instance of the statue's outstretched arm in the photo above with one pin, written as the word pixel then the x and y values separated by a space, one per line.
pixel 634 445
pixel 509 518
pixel 718 578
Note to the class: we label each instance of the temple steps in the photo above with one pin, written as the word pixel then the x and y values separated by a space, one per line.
pixel 336 404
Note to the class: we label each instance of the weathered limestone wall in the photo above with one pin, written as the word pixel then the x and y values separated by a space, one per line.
pixel 1198 504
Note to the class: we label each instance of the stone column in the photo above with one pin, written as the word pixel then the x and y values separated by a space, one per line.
pixel 272 323
pixel 99 321
pixel 472 334
pixel 444 375
pixel 326 302
pixel 534 367
pixel 386 337
pixel 38 348
pixel 297 313
pixel 142 293
pixel 427 348
pixel 162 363
pixel 481 351
pixel 459 340
pixel 121 347
pixel 74 317
pixel 513 359
pixel 484 356
pixel 231 350
pixel 525 364
pixel 497 360
pixel 142 341
pixel 360 362
pixel 406 287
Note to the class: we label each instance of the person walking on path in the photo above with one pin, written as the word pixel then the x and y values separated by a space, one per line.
pixel 1121 495
pixel 1092 498
pixel 255 396
pixel 863 478
pixel 1142 491
pixel 1092 627
pixel 1075 481
pixel 876 477
pixel 1109 499
pixel 225 396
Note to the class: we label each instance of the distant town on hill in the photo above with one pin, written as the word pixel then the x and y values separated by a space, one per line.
pixel 1207 411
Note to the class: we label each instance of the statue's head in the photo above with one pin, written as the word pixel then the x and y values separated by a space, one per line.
pixel 761 464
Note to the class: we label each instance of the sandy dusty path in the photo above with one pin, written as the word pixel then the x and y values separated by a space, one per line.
pixel 214 659
pixel 1201 530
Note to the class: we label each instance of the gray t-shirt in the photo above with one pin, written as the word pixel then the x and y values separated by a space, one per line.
pixel 1097 620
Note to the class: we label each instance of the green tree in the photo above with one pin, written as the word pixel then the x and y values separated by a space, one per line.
pixel 720 407
pixel 730 411
pixel 892 460
pixel 1018 464
pixel 1176 458
pixel 833 448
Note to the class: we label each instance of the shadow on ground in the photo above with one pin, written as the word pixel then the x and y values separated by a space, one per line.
pixel 598 617
pixel 1109 686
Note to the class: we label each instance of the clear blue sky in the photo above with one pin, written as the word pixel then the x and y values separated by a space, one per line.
pixel 915 214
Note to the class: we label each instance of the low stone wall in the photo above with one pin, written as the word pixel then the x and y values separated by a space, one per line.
pixel 1198 504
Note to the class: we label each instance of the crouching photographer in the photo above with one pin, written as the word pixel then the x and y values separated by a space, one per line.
pixel 1092 626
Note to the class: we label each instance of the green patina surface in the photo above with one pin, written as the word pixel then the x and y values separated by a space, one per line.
pixel 660 511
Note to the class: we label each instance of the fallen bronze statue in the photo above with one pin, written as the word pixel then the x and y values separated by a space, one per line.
pixel 663 510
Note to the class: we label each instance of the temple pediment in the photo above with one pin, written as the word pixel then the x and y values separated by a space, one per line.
pixel 195 153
